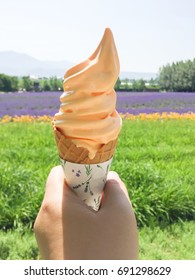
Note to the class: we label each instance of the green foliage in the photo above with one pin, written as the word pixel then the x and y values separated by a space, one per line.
pixel 8 83
pixel 138 85
pixel 27 154
pixel 118 84
pixel 156 161
pixel 26 83
pixel 55 84
pixel 18 245
pixel 179 76
pixel 175 242
pixel 46 85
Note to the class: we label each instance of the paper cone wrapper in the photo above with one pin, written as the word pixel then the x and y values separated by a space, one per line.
pixel 87 180
pixel 85 176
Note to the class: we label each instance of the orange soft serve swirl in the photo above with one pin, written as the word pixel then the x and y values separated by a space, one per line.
pixel 87 113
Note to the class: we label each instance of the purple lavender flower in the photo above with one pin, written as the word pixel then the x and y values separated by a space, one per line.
pixel 48 103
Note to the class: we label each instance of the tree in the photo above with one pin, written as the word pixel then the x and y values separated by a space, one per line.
pixel 1 83
pixel 138 85
pixel 165 77
pixel 6 84
pixel 117 85
pixel 46 85
pixel 27 83
pixel 14 83
pixel 179 76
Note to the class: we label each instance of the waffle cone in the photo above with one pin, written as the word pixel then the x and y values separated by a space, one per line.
pixel 67 150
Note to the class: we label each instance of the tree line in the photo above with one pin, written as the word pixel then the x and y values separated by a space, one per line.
pixel 179 76
pixel 26 83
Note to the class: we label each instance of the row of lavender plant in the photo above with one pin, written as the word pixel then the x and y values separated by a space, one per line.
pixel 47 103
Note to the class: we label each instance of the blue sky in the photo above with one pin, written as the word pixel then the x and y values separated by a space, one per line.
pixel 148 33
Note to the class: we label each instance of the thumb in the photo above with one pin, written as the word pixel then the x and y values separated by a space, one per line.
pixel 55 184
pixel 115 192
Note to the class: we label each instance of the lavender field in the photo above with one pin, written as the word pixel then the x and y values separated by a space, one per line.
pixel 47 103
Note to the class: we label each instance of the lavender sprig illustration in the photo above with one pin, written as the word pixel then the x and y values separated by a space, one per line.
pixel 105 172
pixel 97 202
pixel 86 186
pixel 88 169
pixel 77 173
pixel 99 166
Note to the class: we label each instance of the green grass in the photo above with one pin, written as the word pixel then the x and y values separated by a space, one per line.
pixel 175 242
pixel 18 245
pixel 27 154
pixel 156 159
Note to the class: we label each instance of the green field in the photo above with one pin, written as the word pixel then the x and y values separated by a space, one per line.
pixel 156 159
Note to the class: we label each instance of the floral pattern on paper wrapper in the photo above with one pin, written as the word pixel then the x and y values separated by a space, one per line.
pixel 87 180
pixel 62 162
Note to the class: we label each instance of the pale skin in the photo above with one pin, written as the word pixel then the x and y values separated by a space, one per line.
pixel 67 229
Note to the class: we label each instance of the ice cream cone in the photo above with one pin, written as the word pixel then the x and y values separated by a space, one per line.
pixel 68 151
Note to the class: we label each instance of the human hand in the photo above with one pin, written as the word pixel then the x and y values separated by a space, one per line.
pixel 66 228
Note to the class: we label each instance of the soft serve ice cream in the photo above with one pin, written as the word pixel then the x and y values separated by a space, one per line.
pixel 87 125
pixel 87 114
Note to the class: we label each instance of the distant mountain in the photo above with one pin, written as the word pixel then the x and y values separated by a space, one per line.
pixel 20 64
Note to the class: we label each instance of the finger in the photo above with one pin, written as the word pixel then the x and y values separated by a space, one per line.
pixel 55 183
pixel 56 176
pixel 113 175
pixel 115 192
